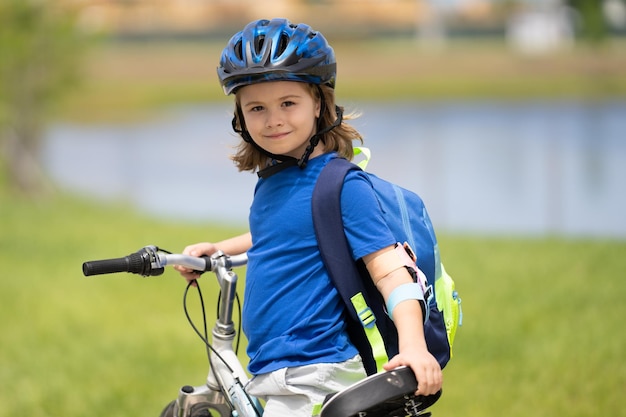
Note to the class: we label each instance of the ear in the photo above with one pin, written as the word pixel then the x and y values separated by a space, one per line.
pixel 318 107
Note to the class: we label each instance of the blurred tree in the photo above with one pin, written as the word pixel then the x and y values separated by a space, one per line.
pixel 40 51
pixel 594 27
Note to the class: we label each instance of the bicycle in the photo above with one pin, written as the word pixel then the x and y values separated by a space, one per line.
pixel 388 394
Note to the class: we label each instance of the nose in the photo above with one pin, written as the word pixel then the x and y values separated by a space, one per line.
pixel 274 119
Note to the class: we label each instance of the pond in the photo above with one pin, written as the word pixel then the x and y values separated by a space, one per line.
pixel 512 168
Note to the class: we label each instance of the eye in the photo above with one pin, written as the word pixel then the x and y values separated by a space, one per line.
pixel 289 103
pixel 253 108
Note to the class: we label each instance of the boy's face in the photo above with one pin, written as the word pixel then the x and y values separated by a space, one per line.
pixel 280 116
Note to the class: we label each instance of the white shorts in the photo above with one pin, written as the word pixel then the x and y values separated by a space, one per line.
pixel 299 391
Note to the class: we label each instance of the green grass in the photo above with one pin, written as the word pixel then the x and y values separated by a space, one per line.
pixel 115 345
pixel 542 328
pixel 542 332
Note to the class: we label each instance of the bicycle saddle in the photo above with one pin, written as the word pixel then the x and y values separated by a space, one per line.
pixel 385 394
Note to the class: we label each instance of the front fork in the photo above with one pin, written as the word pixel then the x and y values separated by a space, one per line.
pixel 226 372
pixel 232 378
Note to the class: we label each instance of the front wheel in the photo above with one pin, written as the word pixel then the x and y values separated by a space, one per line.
pixel 168 411
pixel 196 411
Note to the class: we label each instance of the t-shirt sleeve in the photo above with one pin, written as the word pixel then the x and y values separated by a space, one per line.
pixel 362 215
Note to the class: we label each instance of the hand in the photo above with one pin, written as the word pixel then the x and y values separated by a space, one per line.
pixel 198 250
pixel 426 368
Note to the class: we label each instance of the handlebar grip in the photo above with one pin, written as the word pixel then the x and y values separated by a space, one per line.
pixel 132 263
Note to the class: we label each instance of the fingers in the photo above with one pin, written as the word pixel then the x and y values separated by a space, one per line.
pixel 427 372
pixel 430 381
pixel 198 249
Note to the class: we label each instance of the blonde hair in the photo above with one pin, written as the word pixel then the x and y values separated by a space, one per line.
pixel 248 158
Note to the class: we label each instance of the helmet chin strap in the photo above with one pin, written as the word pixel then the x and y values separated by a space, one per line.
pixel 287 161
pixel 302 162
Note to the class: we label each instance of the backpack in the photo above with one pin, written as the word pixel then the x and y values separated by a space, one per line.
pixel 369 327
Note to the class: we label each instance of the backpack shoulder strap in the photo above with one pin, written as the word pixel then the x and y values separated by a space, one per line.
pixel 337 257
pixel 328 223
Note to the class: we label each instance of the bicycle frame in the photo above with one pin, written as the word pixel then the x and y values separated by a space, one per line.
pixel 224 391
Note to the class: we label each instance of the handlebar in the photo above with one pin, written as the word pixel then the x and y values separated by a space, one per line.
pixel 151 261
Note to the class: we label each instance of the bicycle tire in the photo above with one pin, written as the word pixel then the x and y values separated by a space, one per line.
pixel 168 411
pixel 385 394
pixel 196 411
pixel 201 413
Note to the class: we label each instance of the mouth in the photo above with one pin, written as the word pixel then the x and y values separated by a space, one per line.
pixel 276 136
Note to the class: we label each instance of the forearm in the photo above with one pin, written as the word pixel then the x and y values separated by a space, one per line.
pixel 408 319
pixel 407 314
pixel 235 245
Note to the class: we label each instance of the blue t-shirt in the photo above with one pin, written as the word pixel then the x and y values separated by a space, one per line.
pixel 292 314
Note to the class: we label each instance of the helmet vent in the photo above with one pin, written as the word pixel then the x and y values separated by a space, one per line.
pixel 238 50
pixel 258 43
pixel 282 44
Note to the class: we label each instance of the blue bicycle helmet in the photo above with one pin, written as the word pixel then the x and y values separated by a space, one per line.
pixel 274 50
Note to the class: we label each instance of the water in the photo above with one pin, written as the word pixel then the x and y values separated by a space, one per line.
pixel 531 168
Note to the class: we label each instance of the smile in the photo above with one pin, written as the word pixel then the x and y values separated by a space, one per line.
pixel 276 136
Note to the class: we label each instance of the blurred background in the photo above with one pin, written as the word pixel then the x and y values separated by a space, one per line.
pixel 513 105
pixel 508 117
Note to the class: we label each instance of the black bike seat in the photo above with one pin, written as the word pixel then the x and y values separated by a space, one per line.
pixel 385 394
